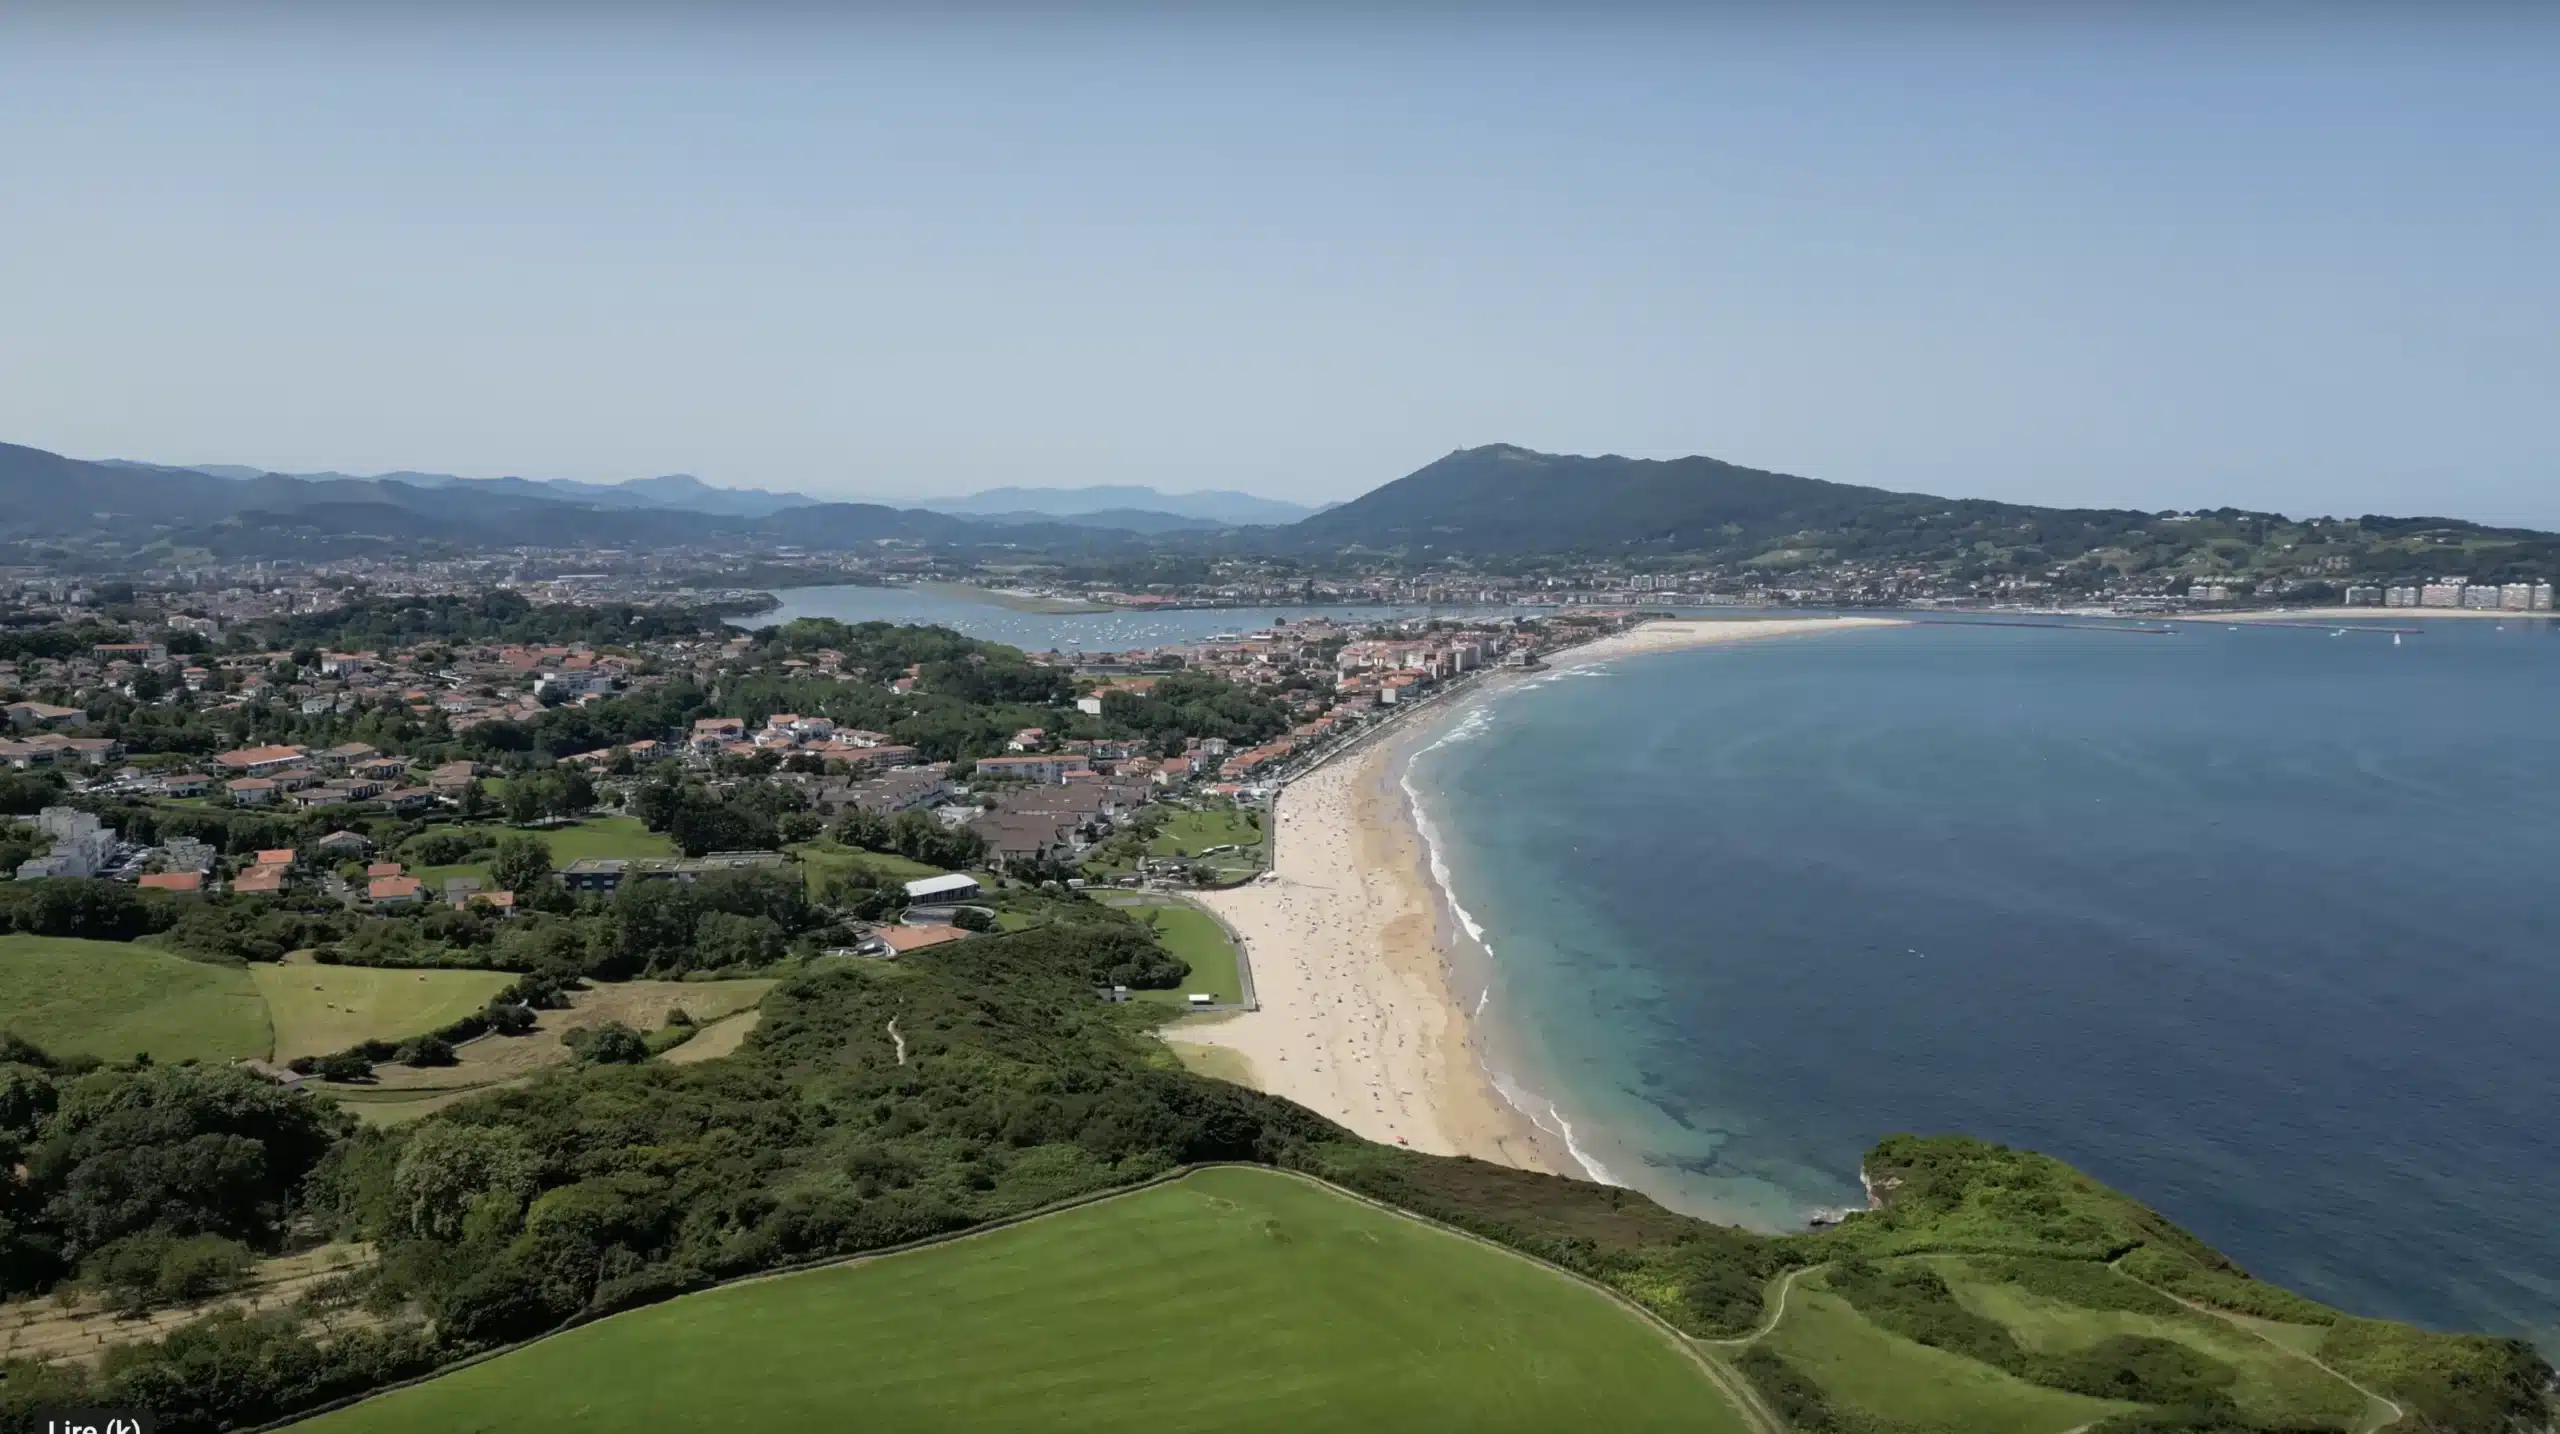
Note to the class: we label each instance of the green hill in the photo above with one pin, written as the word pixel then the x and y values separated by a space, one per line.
pixel 113 1000
pixel 1232 1299
pixel 1501 503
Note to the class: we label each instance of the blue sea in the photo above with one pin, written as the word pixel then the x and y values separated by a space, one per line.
pixel 2258 925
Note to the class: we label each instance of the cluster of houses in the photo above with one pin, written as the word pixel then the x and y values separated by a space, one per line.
pixel 790 734
pixel 298 776
pixel 467 687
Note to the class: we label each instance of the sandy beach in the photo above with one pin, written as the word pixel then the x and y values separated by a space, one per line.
pixel 1357 1020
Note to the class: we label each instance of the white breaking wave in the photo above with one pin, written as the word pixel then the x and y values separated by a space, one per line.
pixel 1543 1114
pixel 1432 854
pixel 1475 724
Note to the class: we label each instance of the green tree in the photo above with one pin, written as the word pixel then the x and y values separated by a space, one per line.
pixel 524 802
pixel 446 1170
pixel 522 864
pixel 190 1149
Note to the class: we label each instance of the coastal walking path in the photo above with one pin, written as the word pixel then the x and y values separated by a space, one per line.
pixel 2380 1402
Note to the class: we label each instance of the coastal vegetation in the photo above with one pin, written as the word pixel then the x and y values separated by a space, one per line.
pixel 877 1104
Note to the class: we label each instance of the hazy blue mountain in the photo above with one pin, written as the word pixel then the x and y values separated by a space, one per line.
pixel 1218 507
pixel 1125 520
pixel 678 491
pixel 48 496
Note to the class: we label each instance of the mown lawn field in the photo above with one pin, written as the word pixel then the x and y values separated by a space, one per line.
pixel 318 1009
pixel 114 1001
pixel 1196 937
pixel 594 837
pixel 1234 1299
pixel 1189 833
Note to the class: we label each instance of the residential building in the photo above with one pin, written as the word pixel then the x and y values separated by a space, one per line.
pixel 899 940
pixel 81 847
pixel 259 881
pixel 395 890
pixel 176 883
pixel 250 791
pixel 260 761
pixel 1036 767
pixel 44 715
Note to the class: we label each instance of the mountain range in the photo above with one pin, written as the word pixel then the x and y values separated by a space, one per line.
pixel 1126 508
pixel 1498 503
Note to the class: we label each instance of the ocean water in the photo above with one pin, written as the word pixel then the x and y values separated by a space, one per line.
pixel 2261 926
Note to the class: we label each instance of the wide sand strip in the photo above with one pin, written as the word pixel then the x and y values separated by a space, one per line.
pixel 1357 1020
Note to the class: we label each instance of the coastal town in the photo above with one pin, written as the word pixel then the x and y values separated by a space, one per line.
pixel 366 748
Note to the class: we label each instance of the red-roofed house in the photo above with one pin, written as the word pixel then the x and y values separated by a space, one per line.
pixel 259 761
pixel 259 881
pixel 176 883
pixel 902 939
pixel 394 890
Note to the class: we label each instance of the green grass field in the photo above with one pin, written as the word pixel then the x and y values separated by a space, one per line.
pixel 1190 833
pixel 596 837
pixel 318 1009
pixel 112 1000
pixel 1196 937
pixel 1870 1370
pixel 1235 1299
pixel 823 859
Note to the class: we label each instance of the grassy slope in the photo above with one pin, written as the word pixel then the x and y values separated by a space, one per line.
pixel 319 1009
pixel 822 859
pixel 1954 1195
pixel 2274 1386
pixel 1864 1368
pixel 1195 936
pixel 111 1000
pixel 1232 1300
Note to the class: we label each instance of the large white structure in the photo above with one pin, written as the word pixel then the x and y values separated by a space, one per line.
pixel 81 847
pixel 941 890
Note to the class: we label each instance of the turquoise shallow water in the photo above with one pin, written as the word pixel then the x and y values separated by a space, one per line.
pixel 2257 925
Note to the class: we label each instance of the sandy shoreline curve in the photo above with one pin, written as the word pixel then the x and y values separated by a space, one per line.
pixel 1351 943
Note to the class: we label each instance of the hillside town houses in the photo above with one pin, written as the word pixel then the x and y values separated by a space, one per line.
pixel 1043 802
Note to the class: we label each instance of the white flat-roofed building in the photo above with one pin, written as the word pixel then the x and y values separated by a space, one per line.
pixel 942 890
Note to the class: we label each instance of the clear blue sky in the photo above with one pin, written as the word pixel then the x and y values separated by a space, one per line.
pixel 2306 264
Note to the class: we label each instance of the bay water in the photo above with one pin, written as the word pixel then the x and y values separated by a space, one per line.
pixel 2256 924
